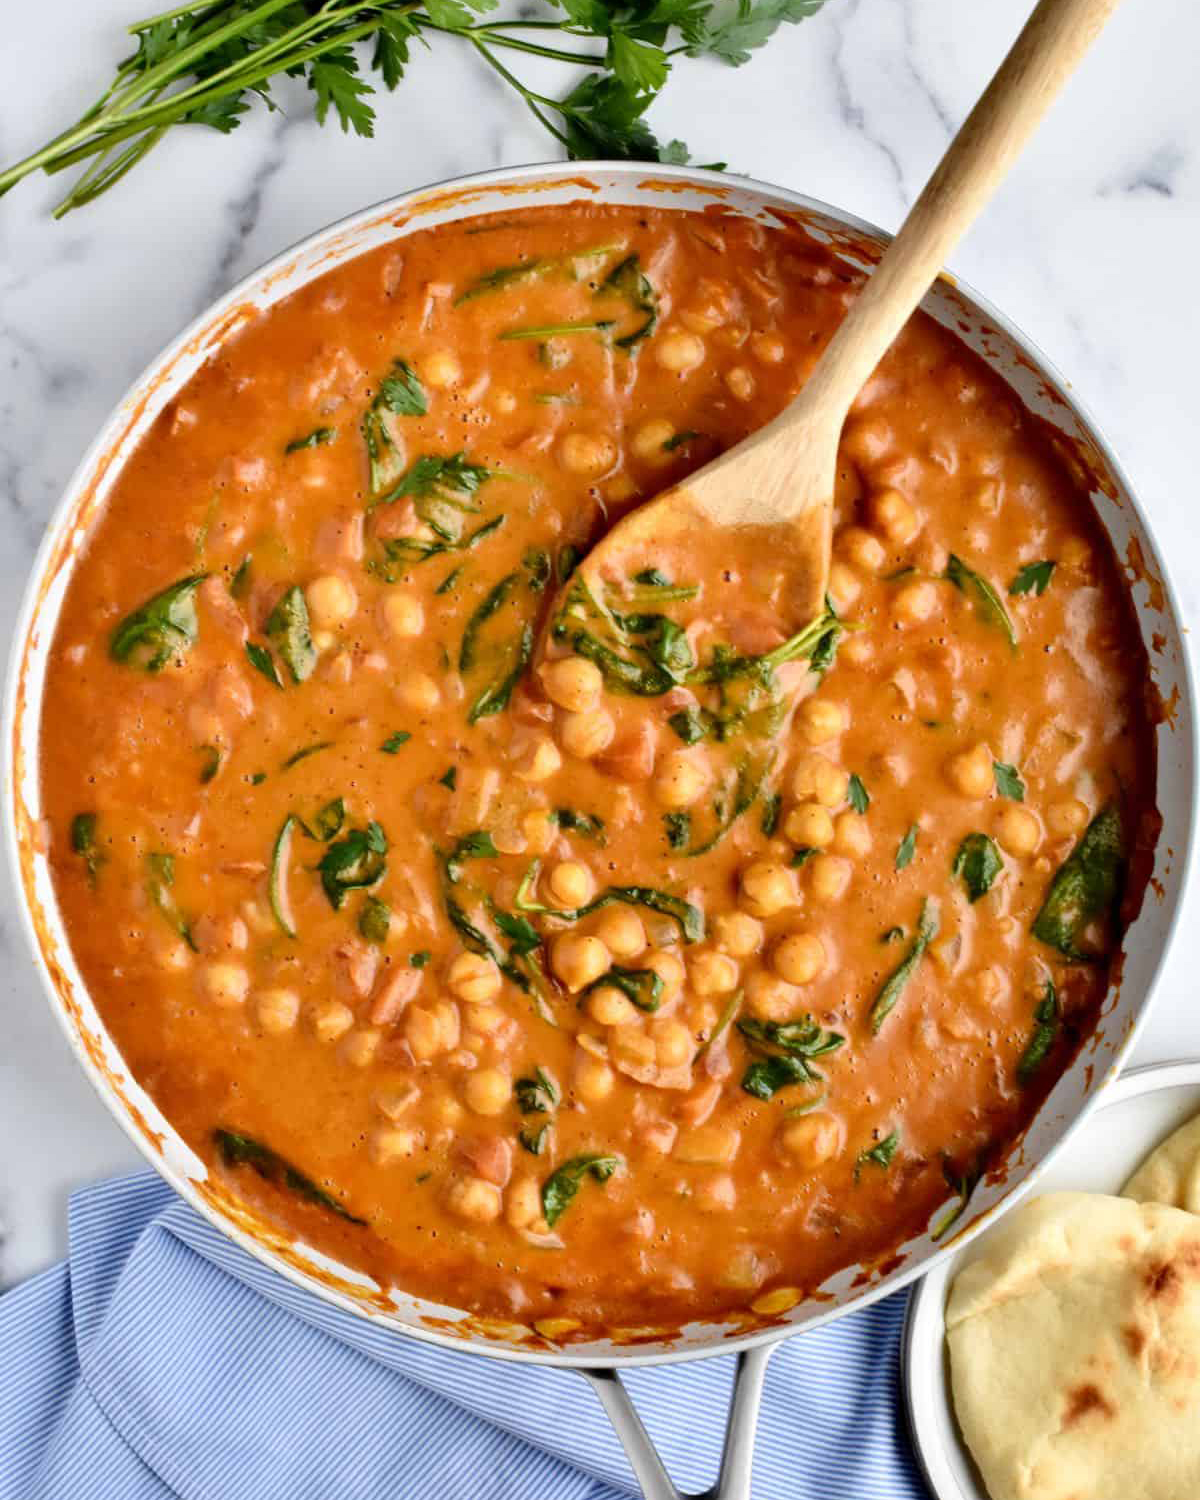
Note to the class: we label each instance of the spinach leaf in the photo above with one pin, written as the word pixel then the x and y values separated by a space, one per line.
pixel 988 604
pixel 977 862
pixel 1033 578
pixel 764 1078
pixel 893 987
pixel 241 1150
pixel 879 1155
pixel 161 630
pixel 354 862
pixel 692 724
pixel 160 879
pixel 277 878
pixel 212 763
pixel 795 1044
pixel 554 330
pixel 534 1141
pixel 420 959
pixel 239 584
pixel 690 918
pixel 536 563
pixel 1087 885
pixel 802 855
pixel 772 806
pixel 375 920
pixel 587 824
pixel 401 393
pixel 963 1184
pixel 449 778
pixel 1047 1017
pixel 679 829
pixel 394 741
pixel 298 755
pixel 631 282
pixel 262 661
pixel 83 843
pixel 315 439
pixel 476 845
pixel 1008 781
pixel 289 632
pixel 520 931
pixel 559 1189
pixel 495 697
pixel 907 848
pixel 643 986
pixel 328 822
pixel 538 1095
pixel 492 602
pixel 857 794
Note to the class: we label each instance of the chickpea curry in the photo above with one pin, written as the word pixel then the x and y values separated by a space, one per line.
pixel 664 974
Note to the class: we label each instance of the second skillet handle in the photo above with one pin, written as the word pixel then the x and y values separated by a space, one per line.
pixel 733 1482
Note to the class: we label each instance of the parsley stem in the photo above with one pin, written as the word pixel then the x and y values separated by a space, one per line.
pixel 515 44
pixel 530 98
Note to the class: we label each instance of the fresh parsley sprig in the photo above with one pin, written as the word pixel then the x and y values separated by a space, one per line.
pixel 208 62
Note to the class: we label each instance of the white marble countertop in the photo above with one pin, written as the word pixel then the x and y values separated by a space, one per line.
pixel 852 106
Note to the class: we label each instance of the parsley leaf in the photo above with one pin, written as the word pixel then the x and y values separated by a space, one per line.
pixel 1033 578
pixel 1008 781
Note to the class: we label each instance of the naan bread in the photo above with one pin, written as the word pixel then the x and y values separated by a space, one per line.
pixel 1171 1173
pixel 1075 1352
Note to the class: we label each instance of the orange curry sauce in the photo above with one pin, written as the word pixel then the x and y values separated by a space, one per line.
pixel 323 915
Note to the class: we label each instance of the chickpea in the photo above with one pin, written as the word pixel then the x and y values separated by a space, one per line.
pixel 1064 819
pixel 894 516
pixel 669 969
pixel 172 955
pixel 537 760
pixel 861 549
pixel 570 884
pixel 914 602
pixel 504 403
pixel 1018 831
pixel 360 1047
pixel 649 441
pixel 852 835
pixel 717 1194
pixel 737 933
pixel 474 977
pixel 484 1020
pixel 631 1045
pixel 673 1042
pixel 572 683
pixel 712 974
pixel 813 1138
pixel 474 1199
pixel 820 720
pixel 769 998
pixel 225 985
pixel 679 352
pixel 587 734
pixel 418 692
pixel 799 957
pixel 487 1091
pixel 809 826
pixel 622 932
pixel 767 347
pixel 609 1006
pixel 391 1144
pixel 818 778
pixel 767 888
pixel 681 780
pixel 970 772
pixel 331 601
pixel 713 1145
pixel 828 877
pixel 276 1011
pixel 740 383
pixel 441 370
pixel 524 1203
pixel 422 1032
pixel 844 587
pixel 584 453
pixel 990 985
pixel 578 960
pixel 594 1079
pixel 403 615
pixel 538 831
pixel 330 1019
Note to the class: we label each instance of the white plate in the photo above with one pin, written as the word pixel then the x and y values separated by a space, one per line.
pixel 1140 1109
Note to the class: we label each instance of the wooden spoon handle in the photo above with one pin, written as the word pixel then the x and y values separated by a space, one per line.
pixel 1055 38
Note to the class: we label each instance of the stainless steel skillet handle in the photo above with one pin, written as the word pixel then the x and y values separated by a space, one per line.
pixel 733 1482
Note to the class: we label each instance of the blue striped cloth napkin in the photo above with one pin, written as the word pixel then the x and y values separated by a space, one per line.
pixel 162 1363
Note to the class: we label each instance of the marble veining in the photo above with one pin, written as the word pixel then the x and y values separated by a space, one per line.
pixel 1088 247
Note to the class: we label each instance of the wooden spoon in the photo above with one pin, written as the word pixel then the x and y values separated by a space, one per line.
pixel 781 478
